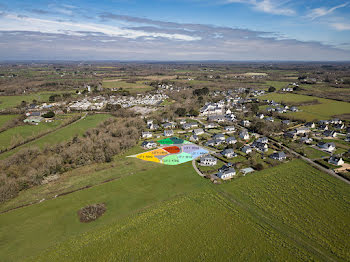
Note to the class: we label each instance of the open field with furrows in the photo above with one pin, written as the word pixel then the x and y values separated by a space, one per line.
pixel 326 109
pixel 64 134
pixel 170 213
pixel 6 118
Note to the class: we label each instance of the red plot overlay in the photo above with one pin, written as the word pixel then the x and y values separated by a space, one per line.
pixel 172 149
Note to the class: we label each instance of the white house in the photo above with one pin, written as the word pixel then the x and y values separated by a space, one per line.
pixel 246 149
pixel 231 140
pixel 229 128
pixel 278 156
pixel 228 153
pixel 148 144
pixel 168 132
pixel 329 147
pixel 336 160
pixel 147 134
pixel 244 135
pixel 198 131
pixel 208 160
pixel 226 174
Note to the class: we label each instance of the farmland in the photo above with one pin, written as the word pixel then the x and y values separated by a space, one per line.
pixel 265 214
pixel 138 86
pixel 327 108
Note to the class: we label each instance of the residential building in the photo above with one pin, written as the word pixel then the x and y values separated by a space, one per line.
pixel 208 160
pixel 280 156
pixel 336 160
pixel 228 153
pixel 246 149
pixel 168 132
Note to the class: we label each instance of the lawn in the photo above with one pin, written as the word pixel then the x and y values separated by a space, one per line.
pixel 325 110
pixel 6 118
pixel 63 134
pixel 165 213
pixel 313 153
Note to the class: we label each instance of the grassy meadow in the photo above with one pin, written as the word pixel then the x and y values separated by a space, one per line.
pixel 326 109
pixel 285 213
pixel 60 135
pixel 137 87
pixel 6 118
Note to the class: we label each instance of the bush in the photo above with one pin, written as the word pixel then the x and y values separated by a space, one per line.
pixel 91 213
pixel 49 115
pixel 272 89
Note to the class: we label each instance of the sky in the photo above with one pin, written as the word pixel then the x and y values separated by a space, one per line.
pixel 175 30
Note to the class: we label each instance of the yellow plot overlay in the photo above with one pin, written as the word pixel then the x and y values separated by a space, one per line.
pixel 151 155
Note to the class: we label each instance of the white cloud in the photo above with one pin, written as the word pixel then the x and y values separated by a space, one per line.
pixel 341 26
pixel 267 6
pixel 322 11
pixel 11 22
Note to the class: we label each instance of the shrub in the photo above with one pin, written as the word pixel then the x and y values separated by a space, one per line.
pixel 91 213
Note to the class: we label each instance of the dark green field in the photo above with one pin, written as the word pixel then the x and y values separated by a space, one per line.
pixel 170 213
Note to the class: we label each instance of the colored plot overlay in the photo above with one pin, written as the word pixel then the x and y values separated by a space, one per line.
pixel 175 151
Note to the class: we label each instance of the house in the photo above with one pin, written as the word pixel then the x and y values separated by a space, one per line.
pixel 190 125
pixel 339 126
pixel 278 156
pixel 347 139
pixel 261 147
pixel 168 132
pixel 231 140
pixel 285 122
pixel 263 140
pixel 280 110
pixel 219 137
pixel 245 123
pixel 168 125
pixel 218 119
pixel 247 170
pixel 208 160
pixel 229 128
pixel 246 149
pixel 294 109
pixel 323 127
pixel 301 130
pixel 260 116
pixel 306 140
pixel 198 131
pixel 228 153
pixel 310 125
pixel 33 119
pixel 336 160
pixel 226 174
pixel 146 134
pixel 329 147
pixel 329 133
pixel 148 144
pixel 210 142
pixel 244 135
pixel 270 119
pixel 210 125
pixel 194 138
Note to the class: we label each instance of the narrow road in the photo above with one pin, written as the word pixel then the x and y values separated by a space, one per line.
pixel 308 160
pixel 196 168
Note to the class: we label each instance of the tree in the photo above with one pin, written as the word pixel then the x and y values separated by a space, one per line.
pixel 23 103
pixel 180 111
pixel 112 107
pixel 255 108
pixel 193 112
pixel 49 114
pixel 272 89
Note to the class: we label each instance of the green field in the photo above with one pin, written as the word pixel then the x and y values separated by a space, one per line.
pixel 137 87
pixel 325 110
pixel 12 101
pixel 165 213
pixel 63 134
pixel 19 133
pixel 6 118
